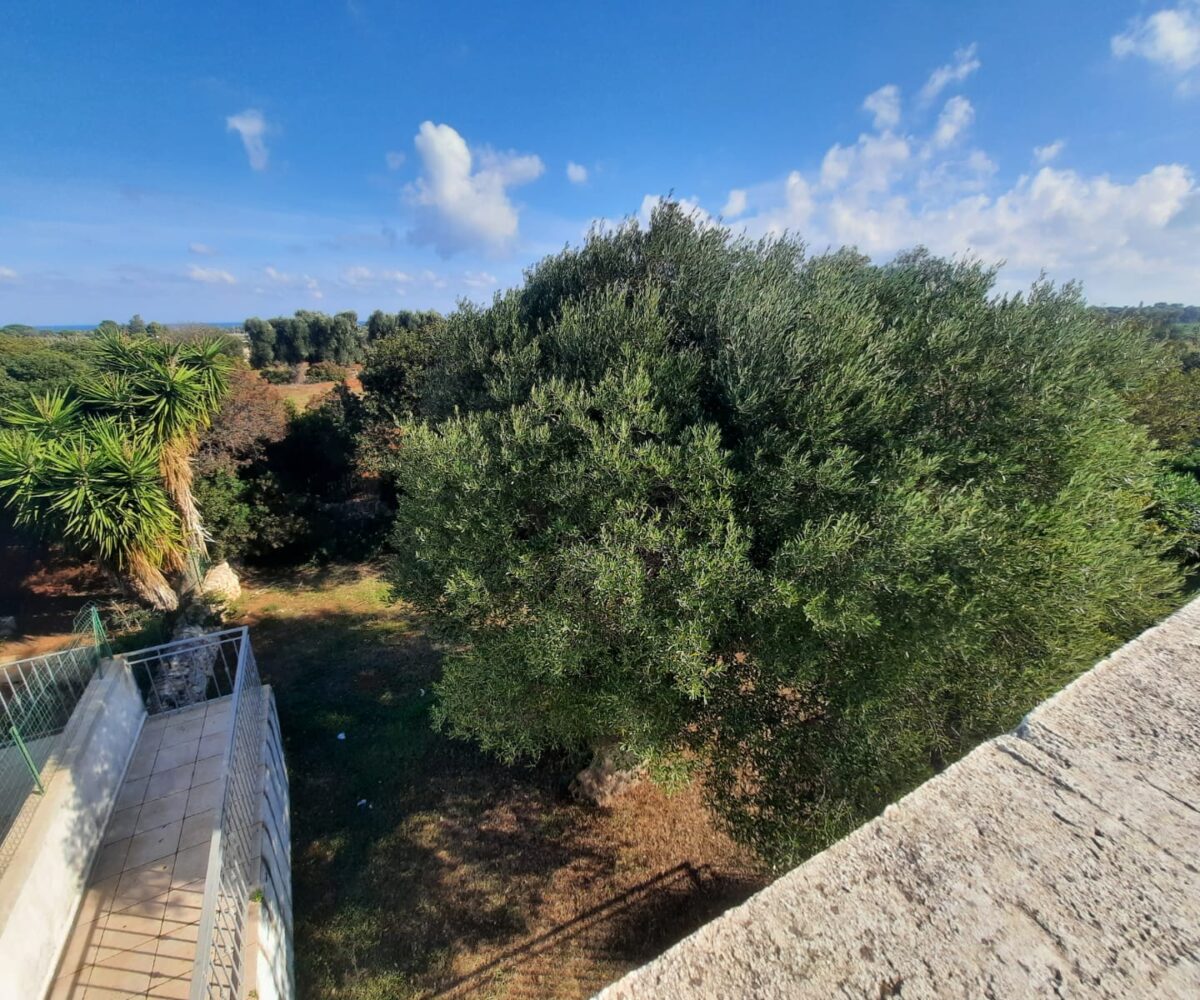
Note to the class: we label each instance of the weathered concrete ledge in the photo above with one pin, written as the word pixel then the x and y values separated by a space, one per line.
pixel 1060 860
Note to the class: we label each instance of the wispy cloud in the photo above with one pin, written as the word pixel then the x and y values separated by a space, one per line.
pixel 7 274
pixel 1168 38
pixel 210 275
pixel 393 159
pixel 577 173
pixel 735 204
pixel 884 105
pixel 201 249
pixel 252 127
pixel 963 65
pixel 1049 152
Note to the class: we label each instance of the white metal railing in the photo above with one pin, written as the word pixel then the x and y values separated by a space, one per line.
pixel 186 672
pixel 221 945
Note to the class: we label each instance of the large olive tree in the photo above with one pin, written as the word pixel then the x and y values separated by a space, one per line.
pixel 807 525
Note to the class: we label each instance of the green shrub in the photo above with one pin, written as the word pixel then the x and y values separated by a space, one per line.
pixel 279 376
pixel 813 525
pixel 326 371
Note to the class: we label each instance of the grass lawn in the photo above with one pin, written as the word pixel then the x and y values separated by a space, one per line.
pixel 424 868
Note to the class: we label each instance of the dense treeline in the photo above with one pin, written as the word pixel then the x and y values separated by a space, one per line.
pixel 315 336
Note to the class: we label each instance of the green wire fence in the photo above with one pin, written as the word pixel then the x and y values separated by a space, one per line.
pixel 37 698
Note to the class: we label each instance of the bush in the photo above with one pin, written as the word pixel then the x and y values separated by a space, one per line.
pixel 814 526
pixel 279 376
pixel 326 371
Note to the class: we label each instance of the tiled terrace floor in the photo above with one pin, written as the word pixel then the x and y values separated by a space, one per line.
pixel 135 935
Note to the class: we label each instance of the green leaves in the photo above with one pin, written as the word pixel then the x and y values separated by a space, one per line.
pixel 85 464
pixel 817 525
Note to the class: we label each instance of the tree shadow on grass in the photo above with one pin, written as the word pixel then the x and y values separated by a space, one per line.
pixel 422 865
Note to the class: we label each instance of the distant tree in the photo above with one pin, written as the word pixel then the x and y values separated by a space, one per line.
pixel 380 325
pixel 808 526
pixel 157 330
pixel 262 342
pixel 136 327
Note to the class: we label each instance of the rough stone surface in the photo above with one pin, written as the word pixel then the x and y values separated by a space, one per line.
pixel 221 582
pixel 1062 860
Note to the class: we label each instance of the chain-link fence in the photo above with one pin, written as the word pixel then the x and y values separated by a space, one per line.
pixel 37 698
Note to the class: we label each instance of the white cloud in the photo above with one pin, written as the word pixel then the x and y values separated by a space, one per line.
pixel 461 199
pixel 1169 38
pixel 884 104
pixel 393 160
pixel 965 63
pixel 1127 239
pixel 210 275
pixel 252 127
pixel 479 279
pixel 305 281
pixel 366 277
pixel 201 249
pixel 1050 152
pixel 735 204
pixel 7 274
pixel 955 118
pixel 577 173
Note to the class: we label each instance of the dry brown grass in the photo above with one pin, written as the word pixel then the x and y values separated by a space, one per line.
pixel 458 876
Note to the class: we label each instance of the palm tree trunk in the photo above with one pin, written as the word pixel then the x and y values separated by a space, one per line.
pixel 148 584
pixel 177 477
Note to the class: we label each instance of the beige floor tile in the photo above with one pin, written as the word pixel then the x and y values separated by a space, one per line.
pixel 171 989
pixel 152 734
pixel 178 779
pixel 125 982
pixel 71 987
pixel 208 769
pixel 154 907
pixel 121 825
pixel 143 882
pixel 173 756
pixel 183 931
pixel 204 797
pixel 141 764
pixel 169 967
pixel 216 725
pixel 191 864
pixel 129 922
pixel 132 792
pixel 114 942
pixel 197 829
pixel 108 993
pixel 163 810
pixel 81 947
pixel 183 730
pixel 212 746
pixel 110 860
pixel 97 898
pixel 161 842
pixel 183 909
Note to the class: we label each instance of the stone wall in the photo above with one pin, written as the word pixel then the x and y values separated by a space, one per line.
pixel 43 883
pixel 1060 860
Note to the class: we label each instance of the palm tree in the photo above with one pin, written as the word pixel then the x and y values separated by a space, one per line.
pixel 106 466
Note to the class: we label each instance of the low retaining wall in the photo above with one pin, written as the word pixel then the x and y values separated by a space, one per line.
pixel 43 884
pixel 1060 860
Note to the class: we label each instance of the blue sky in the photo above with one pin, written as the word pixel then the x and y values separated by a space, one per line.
pixel 220 160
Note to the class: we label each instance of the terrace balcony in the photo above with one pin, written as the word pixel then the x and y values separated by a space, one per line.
pixel 144 824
